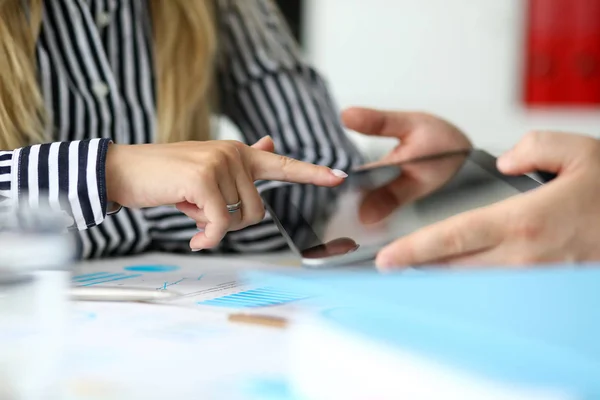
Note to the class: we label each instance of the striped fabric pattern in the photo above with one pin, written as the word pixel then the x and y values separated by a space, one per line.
pixel 96 72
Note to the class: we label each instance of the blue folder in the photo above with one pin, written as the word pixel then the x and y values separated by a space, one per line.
pixel 537 327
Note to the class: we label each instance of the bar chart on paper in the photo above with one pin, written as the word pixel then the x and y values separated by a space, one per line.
pixel 216 286
pixel 98 278
pixel 116 276
pixel 260 297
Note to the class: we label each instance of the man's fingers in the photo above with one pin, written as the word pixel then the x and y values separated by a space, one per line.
pixel 462 234
pixel 545 151
pixel 514 255
pixel 492 257
pixel 378 122
pixel 274 167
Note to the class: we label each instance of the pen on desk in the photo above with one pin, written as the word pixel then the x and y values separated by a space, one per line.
pixel 255 319
pixel 120 294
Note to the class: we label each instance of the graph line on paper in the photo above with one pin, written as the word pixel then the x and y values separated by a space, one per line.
pixel 261 297
pixel 167 284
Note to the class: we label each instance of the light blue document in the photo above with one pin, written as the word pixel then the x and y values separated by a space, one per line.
pixel 537 327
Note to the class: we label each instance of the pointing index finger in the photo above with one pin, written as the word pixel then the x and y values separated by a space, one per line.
pixel 275 167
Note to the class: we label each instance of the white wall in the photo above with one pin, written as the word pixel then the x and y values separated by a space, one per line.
pixel 457 58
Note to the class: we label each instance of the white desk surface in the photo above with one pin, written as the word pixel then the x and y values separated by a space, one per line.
pixel 146 351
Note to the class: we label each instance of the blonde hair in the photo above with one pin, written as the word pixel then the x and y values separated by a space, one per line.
pixel 184 46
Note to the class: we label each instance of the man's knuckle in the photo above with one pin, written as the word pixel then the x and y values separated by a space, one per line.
pixel 528 228
pixel 533 136
pixel 532 139
pixel 454 241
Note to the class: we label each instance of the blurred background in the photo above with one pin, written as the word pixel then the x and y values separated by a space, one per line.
pixel 496 68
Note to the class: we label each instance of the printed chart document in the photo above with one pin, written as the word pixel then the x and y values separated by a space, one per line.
pixel 207 282
pixel 181 348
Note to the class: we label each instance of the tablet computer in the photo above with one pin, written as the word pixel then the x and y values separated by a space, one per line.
pixel 324 225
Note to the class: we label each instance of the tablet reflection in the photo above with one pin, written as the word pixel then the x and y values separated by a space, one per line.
pixel 418 178
pixel 335 247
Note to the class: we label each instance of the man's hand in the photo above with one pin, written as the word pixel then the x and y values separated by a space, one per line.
pixel 420 135
pixel 558 222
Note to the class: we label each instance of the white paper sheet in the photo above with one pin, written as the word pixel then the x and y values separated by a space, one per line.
pixel 150 351
pixel 180 349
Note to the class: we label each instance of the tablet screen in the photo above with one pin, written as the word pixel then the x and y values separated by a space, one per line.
pixel 432 189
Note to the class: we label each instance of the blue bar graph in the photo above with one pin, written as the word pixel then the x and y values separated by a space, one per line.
pixel 98 278
pixel 261 297
pixel 79 278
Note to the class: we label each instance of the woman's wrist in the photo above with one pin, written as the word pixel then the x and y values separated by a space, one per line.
pixel 112 172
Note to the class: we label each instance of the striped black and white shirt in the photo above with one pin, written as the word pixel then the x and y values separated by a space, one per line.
pixel 96 71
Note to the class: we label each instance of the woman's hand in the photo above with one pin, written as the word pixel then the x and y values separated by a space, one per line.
pixel 420 135
pixel 559 222
pixel 202 178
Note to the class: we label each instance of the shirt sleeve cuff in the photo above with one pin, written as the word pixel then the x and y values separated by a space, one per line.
pixel 68 176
